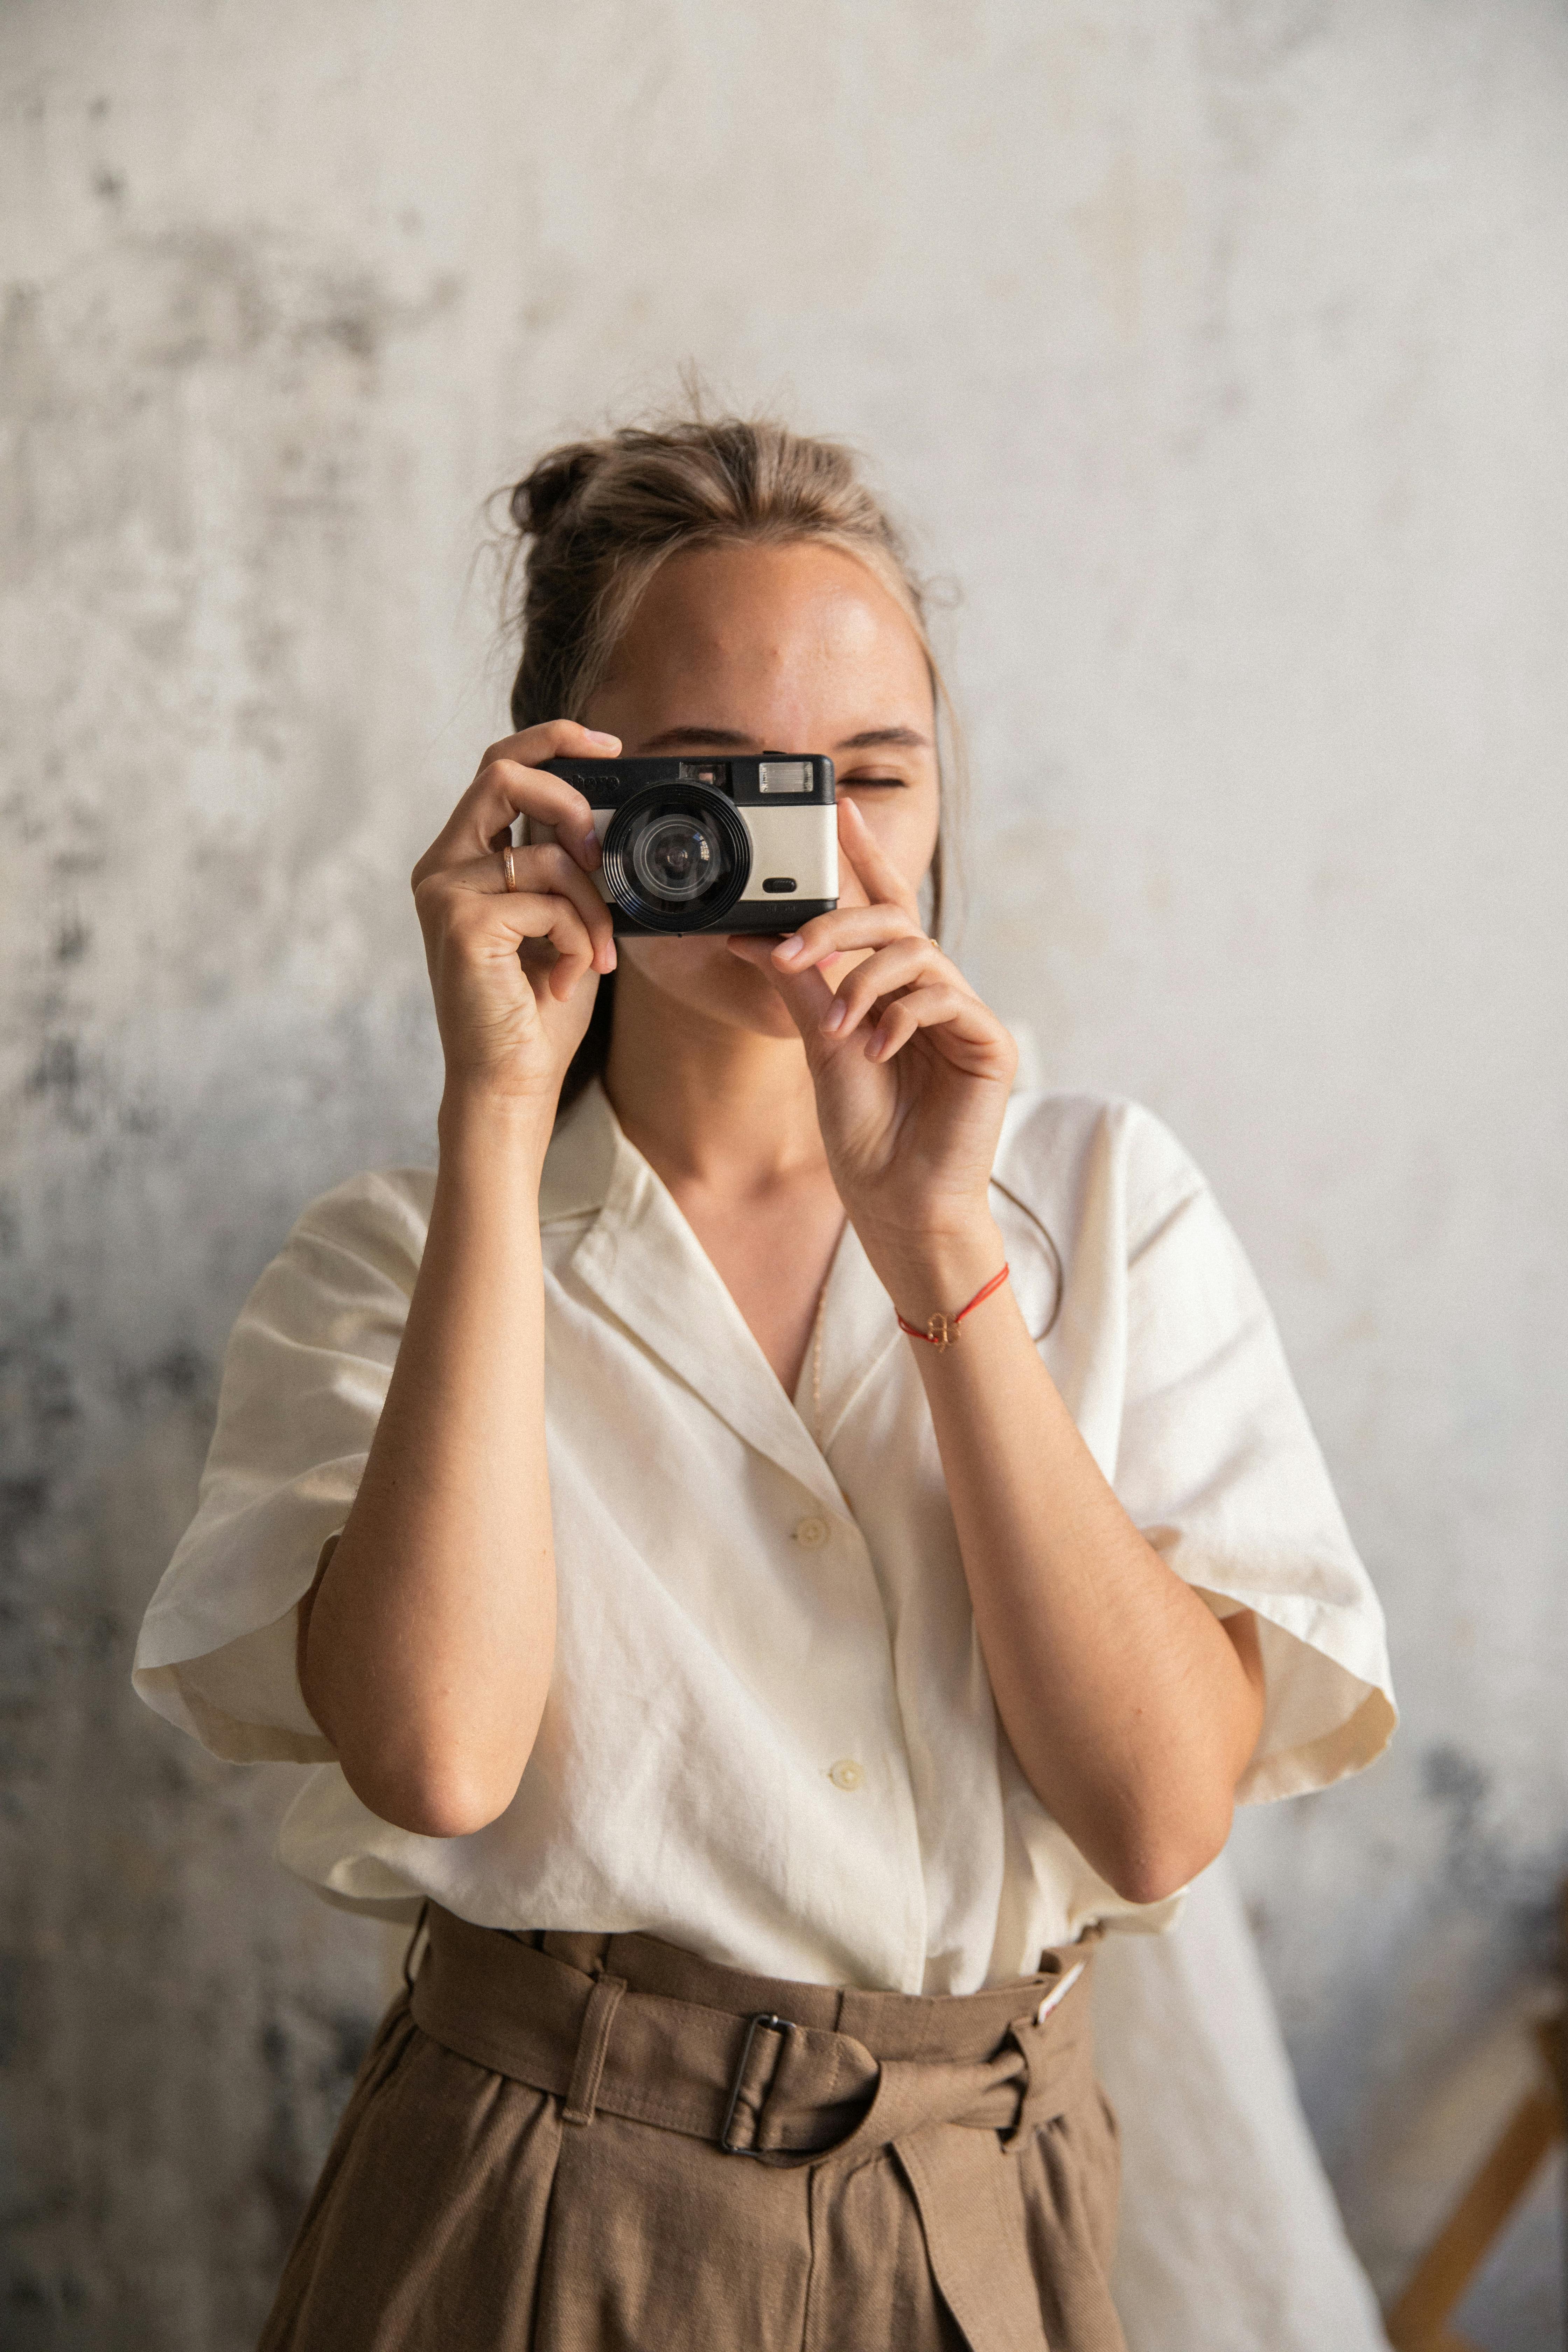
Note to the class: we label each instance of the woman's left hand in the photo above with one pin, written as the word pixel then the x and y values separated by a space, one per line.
pixel 911 1069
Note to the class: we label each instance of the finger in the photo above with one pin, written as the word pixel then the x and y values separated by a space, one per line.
pixel 874 869
pixel 508 786
pixel 524 915
pixel 882 975
pixel 504 790
pixel 501 792
pixel 971 1033
pixel 482 924
pixel 553 739
pixel 754 948
pixel 548 867
pixel 842 932
pixel 806 995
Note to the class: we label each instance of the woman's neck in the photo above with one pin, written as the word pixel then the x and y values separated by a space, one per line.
pixel 727 1118
pixel 706 1102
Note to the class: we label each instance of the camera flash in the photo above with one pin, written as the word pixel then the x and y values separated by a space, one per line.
pixel 783 776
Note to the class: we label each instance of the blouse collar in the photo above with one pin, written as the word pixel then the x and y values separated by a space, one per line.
pixel 642 1261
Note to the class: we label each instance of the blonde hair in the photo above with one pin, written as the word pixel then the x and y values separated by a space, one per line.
pixel 595 520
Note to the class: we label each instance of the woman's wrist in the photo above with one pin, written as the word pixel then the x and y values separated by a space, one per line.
pixel 926 1274
pixel 480 1126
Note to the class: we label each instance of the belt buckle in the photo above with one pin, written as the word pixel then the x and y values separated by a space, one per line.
pixel 778 2025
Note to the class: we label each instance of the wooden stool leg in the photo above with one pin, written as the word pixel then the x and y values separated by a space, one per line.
pixel 1417 2321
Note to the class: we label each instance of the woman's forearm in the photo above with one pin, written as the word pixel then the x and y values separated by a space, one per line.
pixel 427 1646
pixel 1132 1711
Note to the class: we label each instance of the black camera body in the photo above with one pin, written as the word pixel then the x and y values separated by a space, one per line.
pixel 710 843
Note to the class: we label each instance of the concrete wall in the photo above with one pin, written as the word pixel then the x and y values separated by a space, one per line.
pixel 1217 350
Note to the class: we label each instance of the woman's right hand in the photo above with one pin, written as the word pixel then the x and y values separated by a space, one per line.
pixel 515 973
pixel 428 1641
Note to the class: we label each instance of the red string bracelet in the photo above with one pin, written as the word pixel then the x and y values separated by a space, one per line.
pixel 941 1330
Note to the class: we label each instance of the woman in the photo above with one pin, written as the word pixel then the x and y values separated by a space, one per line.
pixel 775 1545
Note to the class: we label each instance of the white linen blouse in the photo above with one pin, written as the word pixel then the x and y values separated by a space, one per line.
pixel 770 1734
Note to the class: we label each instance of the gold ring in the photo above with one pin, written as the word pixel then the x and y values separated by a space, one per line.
pixel 507 867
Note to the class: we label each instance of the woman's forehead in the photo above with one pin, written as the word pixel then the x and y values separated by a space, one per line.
pixel 748 628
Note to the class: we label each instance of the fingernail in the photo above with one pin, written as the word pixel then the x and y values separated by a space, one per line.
pixel 608 962
pixel 787 950
pixel 595 735
pixel 875 1045
pixel 835 1015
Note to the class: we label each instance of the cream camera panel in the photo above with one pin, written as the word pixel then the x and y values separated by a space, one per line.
pixel 787 848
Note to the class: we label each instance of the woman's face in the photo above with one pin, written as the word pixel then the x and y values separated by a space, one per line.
pixel 794 648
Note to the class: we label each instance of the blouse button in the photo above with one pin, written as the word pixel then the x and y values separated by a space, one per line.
pixel 846 1773
pixel 811 1534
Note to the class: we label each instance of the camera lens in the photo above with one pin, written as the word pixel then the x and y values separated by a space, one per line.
pixel 676 859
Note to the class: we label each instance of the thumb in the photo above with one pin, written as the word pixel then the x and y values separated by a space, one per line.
pixel 806 995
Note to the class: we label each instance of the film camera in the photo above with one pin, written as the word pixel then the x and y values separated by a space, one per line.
pixel 707 844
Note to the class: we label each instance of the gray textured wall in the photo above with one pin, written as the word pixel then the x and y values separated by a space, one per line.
pixel 1217 352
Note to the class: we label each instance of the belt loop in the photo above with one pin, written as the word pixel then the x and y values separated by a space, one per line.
pixel 1052 2042
pixel 757 2092
pixel 410 1970
pixel 593 2047
pixel 1059 1992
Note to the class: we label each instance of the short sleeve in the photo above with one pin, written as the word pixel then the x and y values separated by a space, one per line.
pixel 304 1380
pixel 1218 1466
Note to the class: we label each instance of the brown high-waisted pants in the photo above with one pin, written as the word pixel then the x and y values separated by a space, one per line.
pixel 602 2144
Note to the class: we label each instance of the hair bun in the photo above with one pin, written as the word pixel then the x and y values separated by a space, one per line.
pixel 560 475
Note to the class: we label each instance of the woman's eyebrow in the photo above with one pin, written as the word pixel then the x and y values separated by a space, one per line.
pixel 725 738
pixel 709 739
pixel 871 739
